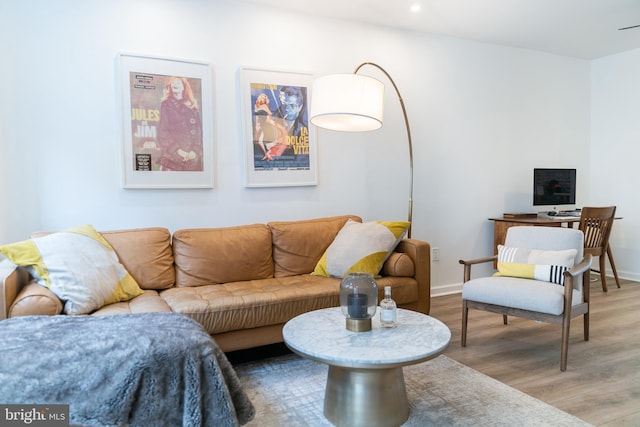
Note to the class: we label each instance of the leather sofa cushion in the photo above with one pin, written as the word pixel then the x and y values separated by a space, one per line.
pixel 34 299
pixel 398 265
pixel 404 290
pixel 299 245
pixel 254 303
pixel 208 256
pixel 257 303
pixel 146 254
pixel 148 302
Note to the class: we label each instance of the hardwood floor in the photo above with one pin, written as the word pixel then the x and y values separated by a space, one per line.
pixel 602 382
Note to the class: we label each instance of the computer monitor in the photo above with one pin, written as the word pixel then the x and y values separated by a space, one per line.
pixel 554 187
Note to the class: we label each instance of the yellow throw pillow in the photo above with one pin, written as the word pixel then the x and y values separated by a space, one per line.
pixel 360 247
pixel 548 266
pixel 78 265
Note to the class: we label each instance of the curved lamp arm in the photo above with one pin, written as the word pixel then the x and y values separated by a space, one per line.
pixel 406 123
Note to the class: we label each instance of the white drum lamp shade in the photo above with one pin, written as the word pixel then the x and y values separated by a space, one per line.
pixel 347 102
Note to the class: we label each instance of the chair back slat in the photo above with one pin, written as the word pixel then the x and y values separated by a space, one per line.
pixel 594 232
pixel 596 223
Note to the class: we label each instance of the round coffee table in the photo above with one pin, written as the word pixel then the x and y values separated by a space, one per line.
pixel 365 383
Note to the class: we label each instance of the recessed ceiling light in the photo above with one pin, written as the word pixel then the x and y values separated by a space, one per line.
pixel 415 8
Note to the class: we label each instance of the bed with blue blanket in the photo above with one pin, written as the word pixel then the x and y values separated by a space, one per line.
pixel 121 370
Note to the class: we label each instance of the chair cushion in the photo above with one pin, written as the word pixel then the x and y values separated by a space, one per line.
pixel 546 238
pixel 534 263
pixel 526 294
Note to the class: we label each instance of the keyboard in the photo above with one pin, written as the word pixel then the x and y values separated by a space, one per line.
pixel 568 214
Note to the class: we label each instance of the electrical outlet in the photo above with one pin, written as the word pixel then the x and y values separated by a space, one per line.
pixel 435 254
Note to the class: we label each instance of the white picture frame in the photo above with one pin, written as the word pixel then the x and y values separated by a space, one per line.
pixel 167 132
pixel 279 143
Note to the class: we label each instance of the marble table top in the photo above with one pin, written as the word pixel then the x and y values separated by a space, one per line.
pixel 321 335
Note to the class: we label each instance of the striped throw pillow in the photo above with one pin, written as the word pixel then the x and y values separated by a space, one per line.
pixel 548 266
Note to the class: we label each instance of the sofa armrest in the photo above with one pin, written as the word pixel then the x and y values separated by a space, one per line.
pixel 420 254
pixel 12 280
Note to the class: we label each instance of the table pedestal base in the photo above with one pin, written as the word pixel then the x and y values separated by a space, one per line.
pixel 365 397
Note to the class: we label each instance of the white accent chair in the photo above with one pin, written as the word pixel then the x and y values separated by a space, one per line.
pixel 533 299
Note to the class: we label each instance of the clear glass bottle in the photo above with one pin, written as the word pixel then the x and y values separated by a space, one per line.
pixel 388 310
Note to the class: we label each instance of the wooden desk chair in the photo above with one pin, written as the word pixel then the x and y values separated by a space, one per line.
pixel 596 223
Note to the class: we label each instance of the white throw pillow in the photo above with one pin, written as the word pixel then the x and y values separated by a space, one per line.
pixel 360 247
pixel 78 265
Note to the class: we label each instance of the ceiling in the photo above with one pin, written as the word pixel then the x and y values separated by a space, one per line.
pixel 585 29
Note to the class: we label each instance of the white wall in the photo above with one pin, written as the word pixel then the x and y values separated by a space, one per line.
pixel 483 116
pixel 615 92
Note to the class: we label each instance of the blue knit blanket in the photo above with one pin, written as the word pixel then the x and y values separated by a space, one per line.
pixel 155 369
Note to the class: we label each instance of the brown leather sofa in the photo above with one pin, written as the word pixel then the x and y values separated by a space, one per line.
pixel 241 283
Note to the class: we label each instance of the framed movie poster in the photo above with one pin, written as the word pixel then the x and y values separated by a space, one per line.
pixel 167 135
pixel 279 145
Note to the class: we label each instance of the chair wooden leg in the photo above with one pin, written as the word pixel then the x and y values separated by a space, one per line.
pixel 564 349
pixel 504 319
pixel 465 315
pixel 613 266
pixel 586 326
pixel 602 275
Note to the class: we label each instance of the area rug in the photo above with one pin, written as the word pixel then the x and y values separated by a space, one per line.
pixel 289 391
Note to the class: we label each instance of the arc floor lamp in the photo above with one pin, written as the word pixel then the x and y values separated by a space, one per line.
pixel 355 103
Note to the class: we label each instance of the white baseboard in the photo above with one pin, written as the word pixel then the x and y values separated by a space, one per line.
pixel 626 275
pixel 454 288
